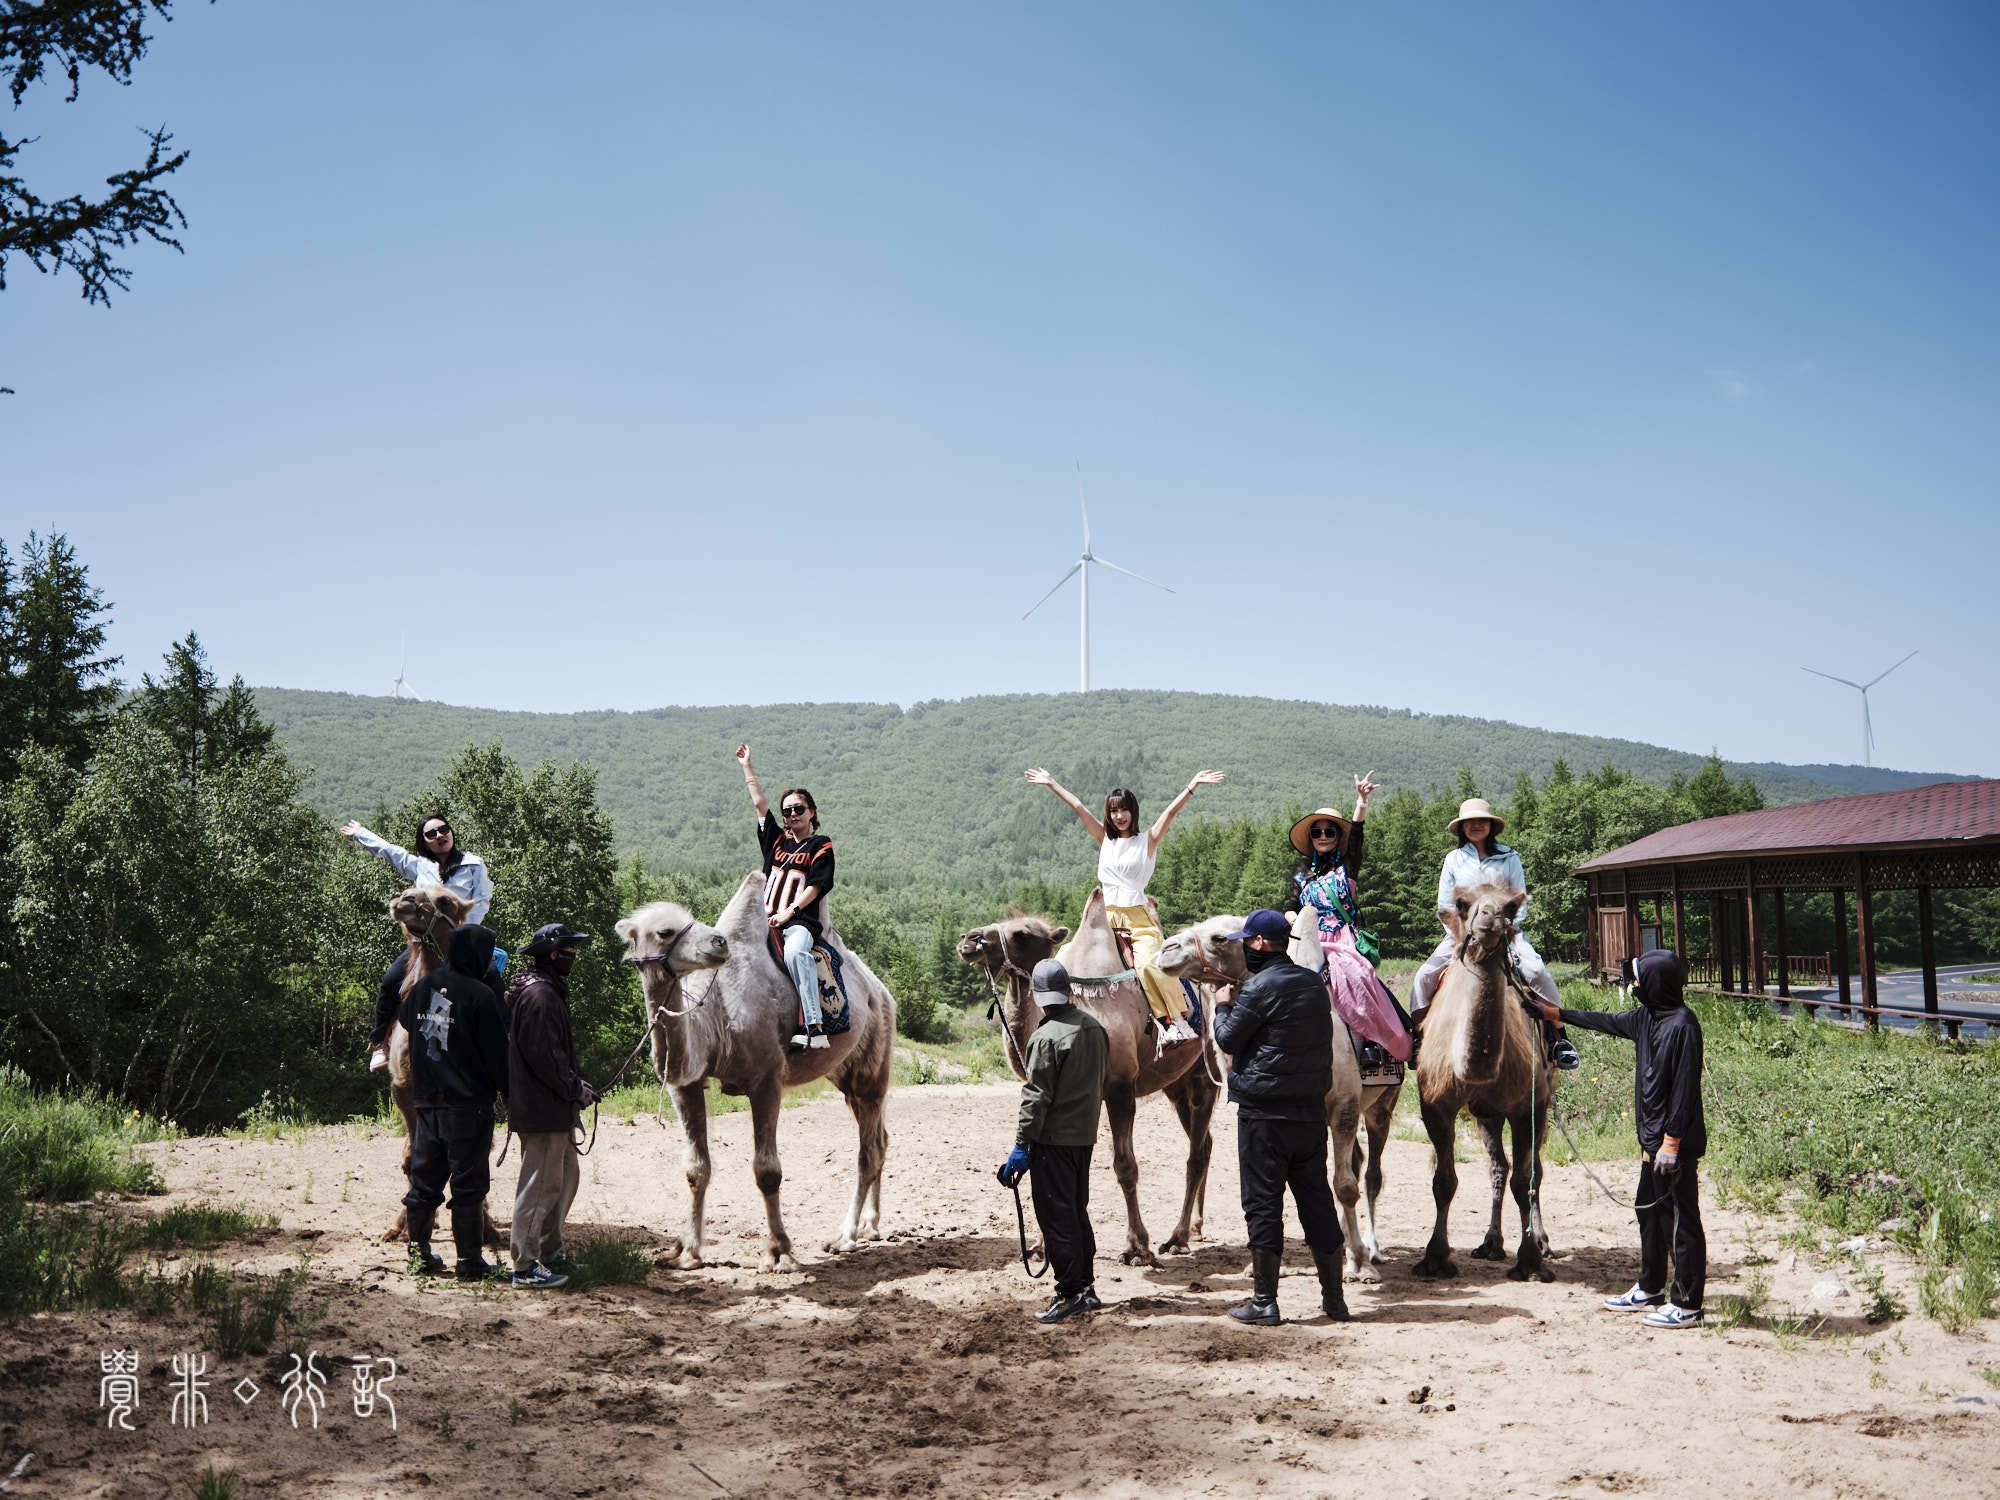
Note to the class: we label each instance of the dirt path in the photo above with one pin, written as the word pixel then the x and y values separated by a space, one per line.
pixel 912 1366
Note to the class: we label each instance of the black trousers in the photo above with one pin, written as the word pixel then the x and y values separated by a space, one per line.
pixel 1060 1178
pixel 1272 1155
pixel 388 999
pixel 1674 1220
pixel 451 1145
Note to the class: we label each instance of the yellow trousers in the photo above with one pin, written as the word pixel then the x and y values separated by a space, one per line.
pixel 1163 993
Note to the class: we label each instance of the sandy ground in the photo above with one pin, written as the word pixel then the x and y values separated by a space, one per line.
pixel 911 1366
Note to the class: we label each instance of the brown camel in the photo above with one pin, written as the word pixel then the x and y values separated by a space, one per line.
pixel 732 1026
pixel 1012 948
pixel 1205 951
pixel 1480 1054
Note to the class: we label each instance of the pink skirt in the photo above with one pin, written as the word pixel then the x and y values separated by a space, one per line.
pixel 1358 996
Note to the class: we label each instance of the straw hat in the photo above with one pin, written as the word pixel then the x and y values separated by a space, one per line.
pixel 1476 807
pixel 1325 814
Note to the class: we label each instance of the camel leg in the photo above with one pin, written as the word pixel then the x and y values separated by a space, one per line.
pixel 1193 1097
pixel 1439 1124
pixel 1341 1124
pixel 1380 1116
pixel 400 1096
pixel 1494 1246
pixel 1527 1184
pixel 766 1098
pixel 864 1213
pixel 1118 1108
pixel 691 1104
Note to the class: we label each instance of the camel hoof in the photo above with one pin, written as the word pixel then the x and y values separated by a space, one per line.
pixel 1138 1255
pixel 1366 1273
pixel 1489 1252
pixel 782 1261
pixel 1175 1246
pixel 678 1256
pixel 1530 1273
pixel 1434 1270
pixel 1377 1258
pixel 840 1246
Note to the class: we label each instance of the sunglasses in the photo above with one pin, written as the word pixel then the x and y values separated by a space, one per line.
pixel 438 832
pixel 796 810
pixel 1324 831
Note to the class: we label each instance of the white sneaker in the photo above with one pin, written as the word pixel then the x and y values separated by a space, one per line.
pixel 1674 1317
pixel 1180 1031
pixel 379 1058
pixel 799 1040
pixel 817 1040
pixel 1636 1300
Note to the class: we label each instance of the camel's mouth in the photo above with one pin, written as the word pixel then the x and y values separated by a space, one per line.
pixel 972 948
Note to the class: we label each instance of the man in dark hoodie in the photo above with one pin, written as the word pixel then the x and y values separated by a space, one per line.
pixel 1666 1103
pixel 1278 1033
pixel 545 1089
pixel 458 1065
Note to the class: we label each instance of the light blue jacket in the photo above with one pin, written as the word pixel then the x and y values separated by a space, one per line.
pixel 469 880
pixel 1463 866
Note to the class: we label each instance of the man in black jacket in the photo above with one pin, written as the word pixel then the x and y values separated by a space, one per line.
pixel 458 1064
pixel 1278 1033
pixel 1666 1103
pixel 545 1089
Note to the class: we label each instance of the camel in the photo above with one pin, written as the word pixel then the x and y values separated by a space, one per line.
pixel 1204 950
pixel 1013 947
pixel 733 1027
pixel 1480 1053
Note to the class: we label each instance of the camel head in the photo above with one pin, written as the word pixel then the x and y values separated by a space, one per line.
pixel 1206 946
pixel 664 937
pixel 1482 925
pixel 428 911
pixel 1014 945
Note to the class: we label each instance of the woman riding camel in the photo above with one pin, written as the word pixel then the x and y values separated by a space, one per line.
pixel 1125 861
pixel 798 872
pixel 1325 881
pixel 1480 856
pixel 441 864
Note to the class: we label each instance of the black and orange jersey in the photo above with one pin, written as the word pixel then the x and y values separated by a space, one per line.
pixel 790 865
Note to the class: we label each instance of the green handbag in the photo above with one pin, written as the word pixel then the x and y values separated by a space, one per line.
pixel 1364 940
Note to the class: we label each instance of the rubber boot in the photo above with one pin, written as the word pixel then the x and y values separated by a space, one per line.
pixel 423 1221
pixel 1262 1308
pixel 1331 1300
pixel 468 1233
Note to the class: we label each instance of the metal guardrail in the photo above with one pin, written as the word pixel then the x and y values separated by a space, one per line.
pixel 1950 1019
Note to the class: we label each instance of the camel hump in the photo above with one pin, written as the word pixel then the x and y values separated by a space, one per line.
pixel 1093 952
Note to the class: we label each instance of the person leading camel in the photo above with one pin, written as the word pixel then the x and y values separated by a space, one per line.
pixel 798 872
pixel 1673 1134
pixel 1278 1033
pixel 1125 861
pixel 1479 857
pixel 458 1066
pixel 1060 1098
pixel 545 1089
pixel 442 863
pixel 1325 881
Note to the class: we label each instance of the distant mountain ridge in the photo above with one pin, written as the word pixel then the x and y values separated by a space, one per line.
pixel 935 792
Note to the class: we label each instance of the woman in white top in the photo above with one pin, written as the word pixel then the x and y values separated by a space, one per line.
pixel 1125 861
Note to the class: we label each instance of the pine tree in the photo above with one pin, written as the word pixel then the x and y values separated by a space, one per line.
pixel 178 704
pixel 64 688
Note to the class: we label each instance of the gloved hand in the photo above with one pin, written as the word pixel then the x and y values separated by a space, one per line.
pixel 1667 1160
pixel 586 1095
pixel 1014 1168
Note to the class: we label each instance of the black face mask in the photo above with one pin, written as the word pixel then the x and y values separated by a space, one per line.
pixel 559 964
pixel 1258 959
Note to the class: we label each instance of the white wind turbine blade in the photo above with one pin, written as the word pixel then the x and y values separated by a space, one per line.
pixel 1872 681
pixel 1831 678
pixel 1073 568
pixel 1130 574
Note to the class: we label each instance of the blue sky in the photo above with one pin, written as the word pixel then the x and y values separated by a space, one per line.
pixel 1588 366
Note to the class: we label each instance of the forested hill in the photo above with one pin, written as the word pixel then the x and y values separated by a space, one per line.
pixel 935 792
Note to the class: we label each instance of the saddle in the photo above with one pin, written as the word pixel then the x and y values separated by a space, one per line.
pixel 834 1017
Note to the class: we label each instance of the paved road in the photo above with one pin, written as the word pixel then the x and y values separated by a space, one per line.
pixel 1906 987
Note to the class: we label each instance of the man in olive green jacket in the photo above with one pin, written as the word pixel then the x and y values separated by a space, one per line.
pixel 1059 1106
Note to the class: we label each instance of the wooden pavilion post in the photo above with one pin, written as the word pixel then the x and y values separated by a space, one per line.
pixel 1680 944
pixel 1753 941
pixel 1590 951
pixel 1840 948
pixel 1718 922
pixel 1784 943
pixel 1864 939
pixel 1929 940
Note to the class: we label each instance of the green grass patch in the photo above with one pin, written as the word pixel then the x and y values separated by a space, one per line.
pixel 62 1148
pixel 60 1259
pixel 630 1100
pixel 250 1315
pixel 214 1484
pixel 604 1261
pixel 1990 976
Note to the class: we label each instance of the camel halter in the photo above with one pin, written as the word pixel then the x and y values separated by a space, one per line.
pixel 663 956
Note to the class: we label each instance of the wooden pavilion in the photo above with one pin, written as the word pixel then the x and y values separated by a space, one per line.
pixel 1946 835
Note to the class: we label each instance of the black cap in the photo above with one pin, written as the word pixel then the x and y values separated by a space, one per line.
pixel 1263 923
pixel 552 936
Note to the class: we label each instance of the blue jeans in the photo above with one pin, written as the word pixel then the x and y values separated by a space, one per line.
pixel 798 943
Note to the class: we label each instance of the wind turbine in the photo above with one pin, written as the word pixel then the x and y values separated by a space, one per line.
pixel 1867 725
pixel 400 682
pixel 1081 567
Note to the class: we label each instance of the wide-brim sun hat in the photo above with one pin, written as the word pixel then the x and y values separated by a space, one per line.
pixel 1476 807
pixel 1326 814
